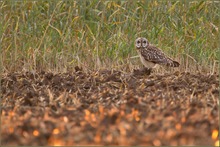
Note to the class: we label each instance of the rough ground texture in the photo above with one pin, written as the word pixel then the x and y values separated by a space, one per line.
pixel 109 108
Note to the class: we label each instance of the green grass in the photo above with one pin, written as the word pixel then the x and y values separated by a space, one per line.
pixel 58 35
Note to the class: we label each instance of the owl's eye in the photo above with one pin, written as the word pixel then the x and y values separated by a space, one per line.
pixel 144 41
pixel 138 42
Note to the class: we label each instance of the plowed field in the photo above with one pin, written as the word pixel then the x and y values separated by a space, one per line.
pixel 109 108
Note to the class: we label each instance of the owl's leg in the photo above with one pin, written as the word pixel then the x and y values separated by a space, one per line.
pixel 142 71
pixel 147 70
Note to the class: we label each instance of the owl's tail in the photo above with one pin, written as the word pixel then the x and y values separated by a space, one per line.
pixel 172 63
pixel 176 64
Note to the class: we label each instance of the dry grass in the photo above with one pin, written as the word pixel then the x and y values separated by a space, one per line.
pixel 109 108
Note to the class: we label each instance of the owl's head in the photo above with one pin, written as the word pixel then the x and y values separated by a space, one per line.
pixel 141 42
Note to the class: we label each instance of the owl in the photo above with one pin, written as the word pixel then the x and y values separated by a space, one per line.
pixel 151 56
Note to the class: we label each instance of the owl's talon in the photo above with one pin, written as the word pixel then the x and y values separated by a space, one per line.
pixel 147 70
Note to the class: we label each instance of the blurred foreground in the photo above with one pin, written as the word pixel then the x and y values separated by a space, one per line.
pixel 109 108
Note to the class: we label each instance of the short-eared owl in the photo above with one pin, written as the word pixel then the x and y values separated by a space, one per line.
pixel 151 56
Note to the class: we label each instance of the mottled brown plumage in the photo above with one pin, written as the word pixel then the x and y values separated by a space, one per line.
pixel 151 56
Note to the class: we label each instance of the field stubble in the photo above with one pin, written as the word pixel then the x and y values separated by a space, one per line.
pixel 109 107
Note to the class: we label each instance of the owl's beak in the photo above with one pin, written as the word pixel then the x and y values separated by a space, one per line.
pixel 138 47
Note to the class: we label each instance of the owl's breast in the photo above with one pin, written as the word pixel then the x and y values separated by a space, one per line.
pixel 146 63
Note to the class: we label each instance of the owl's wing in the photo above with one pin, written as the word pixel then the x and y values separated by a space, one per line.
pixel 156 56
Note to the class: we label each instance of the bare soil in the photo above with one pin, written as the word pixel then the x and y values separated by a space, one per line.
pixel 109 108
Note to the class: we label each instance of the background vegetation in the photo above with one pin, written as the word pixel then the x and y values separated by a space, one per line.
pixel 57 35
